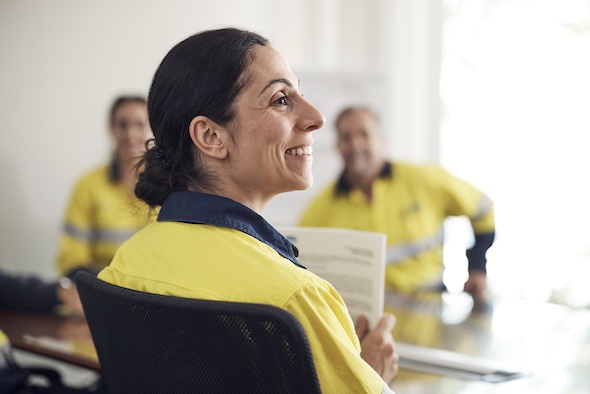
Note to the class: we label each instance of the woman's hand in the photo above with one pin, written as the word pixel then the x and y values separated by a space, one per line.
pixel 378 346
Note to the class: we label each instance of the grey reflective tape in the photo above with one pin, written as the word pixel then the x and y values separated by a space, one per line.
pixel 115 236
pixel 485 204
pixel 398 253
pixel 99 235
pixel 78 232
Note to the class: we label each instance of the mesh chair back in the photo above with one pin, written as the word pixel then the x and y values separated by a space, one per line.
pixel 149 343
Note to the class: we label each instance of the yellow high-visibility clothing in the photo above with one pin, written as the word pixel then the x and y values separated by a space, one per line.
pixel 210 247
pixel 409 204
pixel 3 340
pixel 101 215
pixel 6 358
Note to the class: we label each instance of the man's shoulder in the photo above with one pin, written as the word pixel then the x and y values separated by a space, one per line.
pixel 415 167
pixel 427 175
pixel 409 169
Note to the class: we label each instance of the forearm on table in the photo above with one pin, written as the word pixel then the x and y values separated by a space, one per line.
pixel 27 293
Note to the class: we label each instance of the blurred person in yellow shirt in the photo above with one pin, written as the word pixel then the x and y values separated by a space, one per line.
pixel 103 211
pixel 407 202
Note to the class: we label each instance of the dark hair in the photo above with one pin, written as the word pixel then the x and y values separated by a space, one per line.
pixel 119 101
pixel 201 75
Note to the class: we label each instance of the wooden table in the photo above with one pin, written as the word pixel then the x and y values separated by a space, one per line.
pixel 65 338
pixel 550 341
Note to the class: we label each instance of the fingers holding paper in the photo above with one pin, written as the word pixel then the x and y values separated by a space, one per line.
pixel 378 347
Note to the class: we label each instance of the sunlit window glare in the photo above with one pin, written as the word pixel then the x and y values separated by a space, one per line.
pixel 515 94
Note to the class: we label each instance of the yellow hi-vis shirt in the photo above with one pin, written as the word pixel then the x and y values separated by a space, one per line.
pixel 409 204
pixel 211 247
pixel 5 353
pixel 3 340
pixel 101 215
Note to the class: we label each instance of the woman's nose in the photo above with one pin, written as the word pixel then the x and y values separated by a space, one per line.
pixel 312 118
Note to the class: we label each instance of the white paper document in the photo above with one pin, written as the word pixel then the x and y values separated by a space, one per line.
pixel 454 364
pixel 352 261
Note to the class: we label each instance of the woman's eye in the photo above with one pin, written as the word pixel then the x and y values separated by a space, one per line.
pixel 282 100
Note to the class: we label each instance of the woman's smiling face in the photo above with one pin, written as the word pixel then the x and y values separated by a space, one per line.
pixel 271 132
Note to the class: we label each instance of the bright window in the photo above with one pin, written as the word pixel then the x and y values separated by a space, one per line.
pixel 515 91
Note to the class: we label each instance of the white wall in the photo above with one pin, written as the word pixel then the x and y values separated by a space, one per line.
pixel 62 62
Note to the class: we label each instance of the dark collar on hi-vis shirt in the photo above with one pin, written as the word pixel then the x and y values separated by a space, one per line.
pixel 200 208
pixel 343 187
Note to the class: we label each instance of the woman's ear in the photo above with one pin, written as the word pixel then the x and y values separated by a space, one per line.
pixel 209 137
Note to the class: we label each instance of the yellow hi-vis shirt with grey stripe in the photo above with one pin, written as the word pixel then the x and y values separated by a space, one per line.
pixel 206 261
pixel 101 215
pixel 409 205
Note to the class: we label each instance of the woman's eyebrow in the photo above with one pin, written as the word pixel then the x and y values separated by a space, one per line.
pixel 278 80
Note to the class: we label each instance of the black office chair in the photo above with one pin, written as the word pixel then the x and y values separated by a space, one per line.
pixel 149 343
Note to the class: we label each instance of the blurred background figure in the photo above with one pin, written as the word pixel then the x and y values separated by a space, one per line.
pixel 103 211
pixel 29 292
pixel 408 203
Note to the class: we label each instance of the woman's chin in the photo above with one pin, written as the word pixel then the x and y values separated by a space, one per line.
pixel 304 183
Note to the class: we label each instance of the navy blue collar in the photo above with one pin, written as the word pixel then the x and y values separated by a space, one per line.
pixel 200 208
pixel 343 187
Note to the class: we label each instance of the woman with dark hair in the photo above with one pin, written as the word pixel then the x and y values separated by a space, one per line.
pixel 103 211
pixel 232 131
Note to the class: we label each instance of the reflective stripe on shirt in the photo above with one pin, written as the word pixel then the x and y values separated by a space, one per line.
pixel 398 253
pixel 100 235
pixel 485 204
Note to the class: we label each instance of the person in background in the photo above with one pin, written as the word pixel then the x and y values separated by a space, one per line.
pixel 30 293
pixel 408 203
pixel 103 211
pixel 232 131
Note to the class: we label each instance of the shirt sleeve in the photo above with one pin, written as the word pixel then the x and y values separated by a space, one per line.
pixel 476 255
pixel 75 244
pixel 461 198
pixel 333 341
